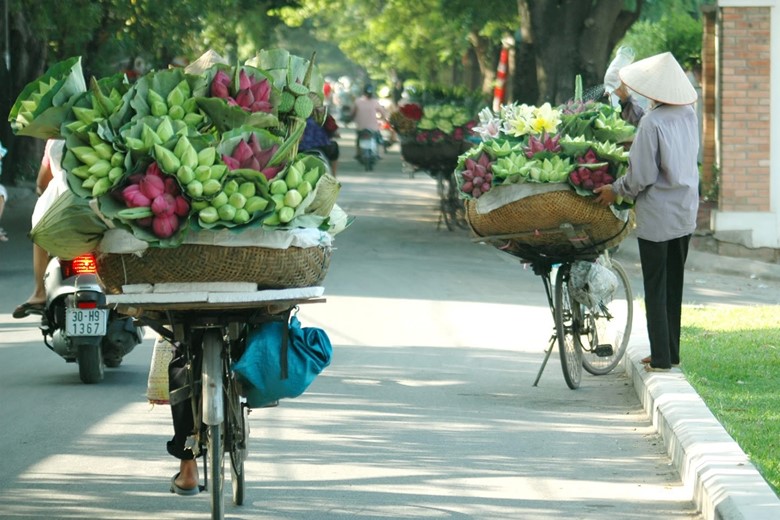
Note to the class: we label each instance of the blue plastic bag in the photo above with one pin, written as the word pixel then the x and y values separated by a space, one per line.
pixel 269 371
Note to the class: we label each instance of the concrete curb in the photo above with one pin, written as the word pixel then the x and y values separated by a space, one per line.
pixel 723 483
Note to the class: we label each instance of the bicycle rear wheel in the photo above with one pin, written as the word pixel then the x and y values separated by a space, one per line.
pixel 215 447
pixel 567 322
pixel 237 435
pixel 605 333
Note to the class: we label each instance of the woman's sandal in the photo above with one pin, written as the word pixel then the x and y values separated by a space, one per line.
pixel 3 235
pixel 184 492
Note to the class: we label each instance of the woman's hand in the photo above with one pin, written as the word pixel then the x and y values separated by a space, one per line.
pixel 606 195
pixel 622 93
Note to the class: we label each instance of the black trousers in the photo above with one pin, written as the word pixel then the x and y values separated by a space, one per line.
pixel 663 269
pixel 181 410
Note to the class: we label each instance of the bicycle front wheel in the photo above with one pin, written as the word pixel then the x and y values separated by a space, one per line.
pixel 605 332
pixel 212 397
pixel 567 317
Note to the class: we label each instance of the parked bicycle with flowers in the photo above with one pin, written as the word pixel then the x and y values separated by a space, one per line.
pixel 528 191
pixel 434 130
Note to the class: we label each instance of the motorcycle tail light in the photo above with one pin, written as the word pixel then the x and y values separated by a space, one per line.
pixel 86 305
pixel 84 264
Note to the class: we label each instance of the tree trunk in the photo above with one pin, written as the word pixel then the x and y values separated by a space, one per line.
pixel 564 38
pixel 486 65
pixel 28 61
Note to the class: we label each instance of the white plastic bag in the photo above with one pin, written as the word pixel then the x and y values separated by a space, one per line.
pixel 592 284
pixel 623 57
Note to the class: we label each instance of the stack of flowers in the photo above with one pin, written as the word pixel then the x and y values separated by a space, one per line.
pixel 577 143
pixel 187 149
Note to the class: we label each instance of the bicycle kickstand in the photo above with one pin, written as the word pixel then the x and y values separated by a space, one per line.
pixel 549 350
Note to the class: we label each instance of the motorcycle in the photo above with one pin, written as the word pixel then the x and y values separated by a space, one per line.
pixel 76 324
pixel 389 137
pixel 367 148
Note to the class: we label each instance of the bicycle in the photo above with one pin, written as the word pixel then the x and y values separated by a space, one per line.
pixel 212 333
pixel 591 338
pixel 452 212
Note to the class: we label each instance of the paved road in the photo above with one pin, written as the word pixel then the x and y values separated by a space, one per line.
pixel 427 411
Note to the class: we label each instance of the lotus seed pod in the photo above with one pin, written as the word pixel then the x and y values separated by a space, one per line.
pixel 298 89
pixel 303 107
pixel 286 102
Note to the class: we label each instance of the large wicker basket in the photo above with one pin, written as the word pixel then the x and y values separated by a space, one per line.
pixel 267 267
pixel 552 224
pixel 433 157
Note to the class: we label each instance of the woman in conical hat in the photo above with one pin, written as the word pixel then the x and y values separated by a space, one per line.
pixel 663 180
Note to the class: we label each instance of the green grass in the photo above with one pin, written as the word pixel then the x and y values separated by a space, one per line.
pixel 731 356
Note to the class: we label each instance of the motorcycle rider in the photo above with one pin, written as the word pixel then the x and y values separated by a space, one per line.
pixel 367 112
pixel 50 184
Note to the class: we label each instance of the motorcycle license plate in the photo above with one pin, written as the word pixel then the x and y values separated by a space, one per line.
pixel 366 144
pixel 86 322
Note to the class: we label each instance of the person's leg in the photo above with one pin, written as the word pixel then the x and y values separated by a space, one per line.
pixel 183 424
pixel 40 261
pixel 652 256
pixel 678 253
pixel 3 195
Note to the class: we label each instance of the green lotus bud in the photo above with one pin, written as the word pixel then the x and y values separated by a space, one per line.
pixel 312 176
pixel 82 172
pixel 292 199
pixel 94 139
pixel 293 178
pixel 272 219
pixel 89 182
pixel 85 154
pixel 190 105
pixel 152 96
pixel 198 205
pixel 149 136
pixel 203 173
pixel 255 203
pixel 176 112
pixel 218 171
pixel 286 214
pixel 247 189
pixel 165 129
pixel 242 216
pixel 181 146
pixel 166 159
pixel 76 127
pixel 159 109
pixel 220 199
pixel 185 175
pixel 100 168
pixel 208 215
pixel 115 173
pixel 278 187
pixel 207 156
pixel 231 187
pixel 101 187
pixel 226 212
pixel 135 144
pixel 211 186
pixel 195 189
pixel 175 98
pixel 104 150
pixel 193 119
pixel 85 115
pixel 237 200
pixel 304 188
pixel 190 157
pixel 278 200
pixel 118 159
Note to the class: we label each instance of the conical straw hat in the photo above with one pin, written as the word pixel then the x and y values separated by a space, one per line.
pixel 205 62
pixel 660 78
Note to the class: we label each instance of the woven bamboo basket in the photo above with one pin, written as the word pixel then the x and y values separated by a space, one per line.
pixel 535 224
pixel 441 156
pixel 267 267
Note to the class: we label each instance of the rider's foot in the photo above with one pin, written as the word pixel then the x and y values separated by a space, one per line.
pixel 188 474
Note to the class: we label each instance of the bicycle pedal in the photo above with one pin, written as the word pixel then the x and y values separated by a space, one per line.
pixel 604 350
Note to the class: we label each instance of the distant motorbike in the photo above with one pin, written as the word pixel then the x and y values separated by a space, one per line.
pixel 367 148
pixel 389 137
pixel 77 326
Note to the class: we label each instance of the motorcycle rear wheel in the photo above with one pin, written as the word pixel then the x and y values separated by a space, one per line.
pixel 90 360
